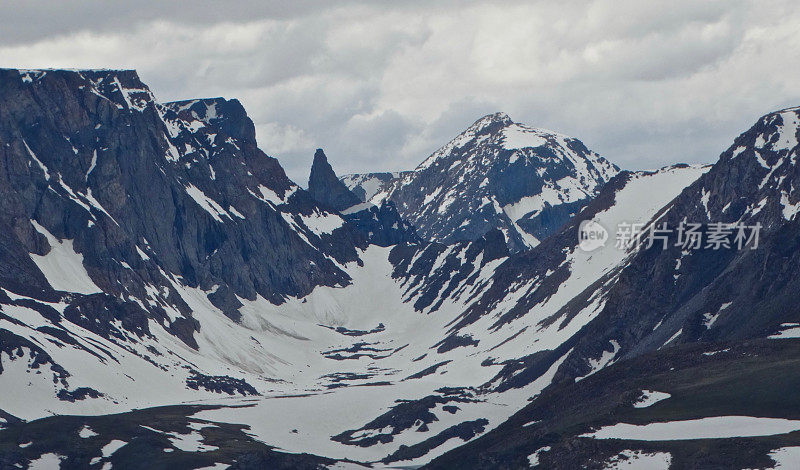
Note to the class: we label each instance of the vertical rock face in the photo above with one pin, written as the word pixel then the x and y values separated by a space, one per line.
pixel 523 181
pixel 145 193
pixel 325 187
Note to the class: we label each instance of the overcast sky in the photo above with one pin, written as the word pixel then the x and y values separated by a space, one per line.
pixel 382 84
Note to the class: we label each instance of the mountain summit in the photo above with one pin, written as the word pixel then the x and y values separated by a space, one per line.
pixel 524 181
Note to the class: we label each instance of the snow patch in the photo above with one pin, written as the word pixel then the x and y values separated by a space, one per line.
pixel 113 446
pixel 786 457
pixel 45 462
pixel 791 330
pixel 710 318
pixel 322 222
pixel 604 360
pixel 650 398
pixel 717 427
pixel 38 162
pixel 86 432
pixel 192 442
pixel 533 459
pixel 519 137
pixel 63 266
pixel 789 210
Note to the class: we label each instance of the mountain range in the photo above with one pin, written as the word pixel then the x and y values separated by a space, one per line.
pixel 169 298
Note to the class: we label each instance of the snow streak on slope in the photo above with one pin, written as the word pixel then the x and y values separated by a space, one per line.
pixel 715 427
pixel 62 266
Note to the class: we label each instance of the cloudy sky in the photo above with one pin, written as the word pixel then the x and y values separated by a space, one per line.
pixel 382 84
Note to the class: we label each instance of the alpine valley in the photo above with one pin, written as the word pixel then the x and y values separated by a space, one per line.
pixel 169 298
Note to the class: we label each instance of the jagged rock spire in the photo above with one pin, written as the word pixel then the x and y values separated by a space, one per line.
pixel 325 187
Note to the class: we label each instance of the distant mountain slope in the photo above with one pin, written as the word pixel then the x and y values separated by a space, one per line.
pixel 677 295
pixel 524 181
pixel 688 407
pixel 367 185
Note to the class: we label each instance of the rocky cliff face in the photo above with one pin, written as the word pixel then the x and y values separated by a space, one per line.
pixel 523 181
pixel 144 192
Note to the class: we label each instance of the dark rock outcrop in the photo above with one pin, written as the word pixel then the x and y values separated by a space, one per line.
pixel 325 187
pixel 383 225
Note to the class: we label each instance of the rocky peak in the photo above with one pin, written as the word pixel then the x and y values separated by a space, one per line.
pixel 758 174
pixel 494 120
pixel 498 174
pixel 325 187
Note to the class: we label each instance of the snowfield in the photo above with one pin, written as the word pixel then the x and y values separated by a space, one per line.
pixel 334 360
pixel 716 427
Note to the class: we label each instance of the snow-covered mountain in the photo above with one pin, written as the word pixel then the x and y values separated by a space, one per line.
pixel 671 315
pixel 156 264
pixel 498 174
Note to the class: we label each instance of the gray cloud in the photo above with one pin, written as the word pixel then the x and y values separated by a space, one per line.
pixel 381 85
